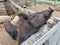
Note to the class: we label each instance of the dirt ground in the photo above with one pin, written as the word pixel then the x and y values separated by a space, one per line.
pixel 5 39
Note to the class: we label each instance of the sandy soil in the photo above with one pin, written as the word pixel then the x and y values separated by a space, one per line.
pixel 5 39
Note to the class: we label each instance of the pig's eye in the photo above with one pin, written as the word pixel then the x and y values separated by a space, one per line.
pixel 33 16
pixel 29 22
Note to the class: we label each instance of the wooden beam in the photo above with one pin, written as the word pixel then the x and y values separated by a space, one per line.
pixel 21 9
pixel 1 0
pixel 3 18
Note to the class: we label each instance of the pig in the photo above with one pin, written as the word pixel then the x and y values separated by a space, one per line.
pixel 30 24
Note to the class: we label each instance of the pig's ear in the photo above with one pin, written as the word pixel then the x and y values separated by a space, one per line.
pixel 23 15
pixel 11 30
pixel 51 9
pixel 48 13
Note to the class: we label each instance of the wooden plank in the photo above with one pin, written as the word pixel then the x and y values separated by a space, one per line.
pixel 1 0
pixel 8 7
pixel 21 9
pixel 55 38
pixel 47 35
pixel 3 18
pixel 2 9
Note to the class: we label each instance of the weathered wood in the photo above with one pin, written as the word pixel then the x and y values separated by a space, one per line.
pixel 3 18
pixel 8 7
pixel 2 9
pixel 21 9
pixel 1 0
pixel 20 2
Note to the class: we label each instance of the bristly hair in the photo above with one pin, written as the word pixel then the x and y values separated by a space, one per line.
pixel 23 15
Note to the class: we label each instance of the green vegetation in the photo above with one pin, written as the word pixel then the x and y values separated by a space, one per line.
pixel 47 3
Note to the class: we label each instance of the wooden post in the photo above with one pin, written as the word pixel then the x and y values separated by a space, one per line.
pixel 55 2
pixel 35 2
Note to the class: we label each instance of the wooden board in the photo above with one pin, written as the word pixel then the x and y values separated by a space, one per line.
pixel 2 9
pixel 1 0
